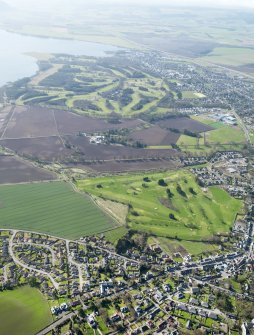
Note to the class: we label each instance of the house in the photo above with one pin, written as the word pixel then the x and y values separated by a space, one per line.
pixel 194 301
pixel 204 304
pixel 188 325
pixel 195 290
pixel 213 315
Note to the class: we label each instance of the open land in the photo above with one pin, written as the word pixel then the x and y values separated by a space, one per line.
pixel 23 311
pixel 190 214
pixel 51 208
pixel 15 170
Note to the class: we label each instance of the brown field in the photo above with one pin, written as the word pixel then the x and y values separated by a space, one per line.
pixel 5 115
pixel 13 170
pixel 50 135
pixel 155 136
pixel 46 149
pixel 31 122
pixel 78 149
pixel 70 123
pixel 131 166
pixel 35 121
pixel 109 152
pixel 182 45
pixel 182 123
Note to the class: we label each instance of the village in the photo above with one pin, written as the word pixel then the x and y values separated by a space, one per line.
pixel 136 292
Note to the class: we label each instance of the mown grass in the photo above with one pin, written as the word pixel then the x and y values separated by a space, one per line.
pixel 51 208
pixel 116 234
pixel 197 215
pixel 23 311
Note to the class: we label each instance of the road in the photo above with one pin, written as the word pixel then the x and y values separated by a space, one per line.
pixel 42 246
pixel 18 262
pixel 244 128
pixel 55 324
pixel 78 265
pixel 206 310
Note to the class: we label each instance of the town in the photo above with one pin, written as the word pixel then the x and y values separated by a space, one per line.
pixel 89 285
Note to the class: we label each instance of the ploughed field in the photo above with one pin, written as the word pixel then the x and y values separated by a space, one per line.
pixel 168 204
pixel 23 311
pixel 52 208
pixel 13 170
pixel 50 135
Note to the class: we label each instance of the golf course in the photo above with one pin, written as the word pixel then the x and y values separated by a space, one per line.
pixel 169 204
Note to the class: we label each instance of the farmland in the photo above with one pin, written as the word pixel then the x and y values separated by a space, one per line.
pixel 231 56
pixel 23 311
pixel 14 170
pixel 51 208
pixel 177 207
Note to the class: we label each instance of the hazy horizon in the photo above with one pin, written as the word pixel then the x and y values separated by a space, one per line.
pixel 51 4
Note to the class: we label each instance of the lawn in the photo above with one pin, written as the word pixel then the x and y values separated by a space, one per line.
pixel 51 208
pixel 193 214
pixel 23 311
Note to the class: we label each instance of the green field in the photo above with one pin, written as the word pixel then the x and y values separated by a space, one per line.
pixel 230 56
pixel 223 137
pixel 197 215
pixel 51 208
pixel 114 235
pixel 192 95
pixel 23 311
pixel 193 248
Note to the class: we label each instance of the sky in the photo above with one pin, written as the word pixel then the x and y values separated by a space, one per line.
pixel 204 3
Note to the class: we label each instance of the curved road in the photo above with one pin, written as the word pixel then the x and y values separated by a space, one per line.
pixel 18 262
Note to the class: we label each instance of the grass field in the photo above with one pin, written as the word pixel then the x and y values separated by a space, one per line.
pixel 223 135
pixel 197 215
pixel 192 95
pixel 230 56
pixel 193 248
pixel 51 208
pixel 23 311
pixel 114 235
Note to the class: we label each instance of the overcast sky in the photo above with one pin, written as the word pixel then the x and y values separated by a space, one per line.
pixel 210 3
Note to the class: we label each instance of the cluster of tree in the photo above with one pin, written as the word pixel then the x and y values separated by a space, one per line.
pixel 86 105
pixel 58 102
pixel 143 101
pixel 191 133
pixel 169 193
pixel 17 89
pixel 162 182
pixel 137 75
pixel 167 101
pixel 192 191
pixel 30 93
pixel 44 65
pixel 126 97
pixel 132 239
pixel 180 191
pixel 42 99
